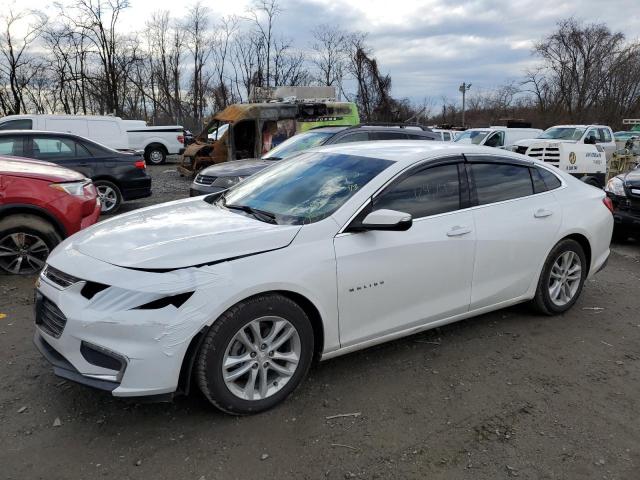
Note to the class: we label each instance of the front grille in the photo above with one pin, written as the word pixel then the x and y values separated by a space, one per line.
pixel 49 317
pixel 205 179
pixel 61 279
pixel 546 154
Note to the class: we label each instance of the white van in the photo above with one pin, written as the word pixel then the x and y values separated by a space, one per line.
pixel 499 137
pixel 446 135
pixel 109 131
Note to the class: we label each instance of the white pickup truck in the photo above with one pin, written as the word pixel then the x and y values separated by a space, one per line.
pixel 156 142
pixel 581 150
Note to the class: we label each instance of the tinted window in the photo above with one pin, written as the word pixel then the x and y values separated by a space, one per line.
pixel 388 136
pixel 446 136
pixel 413 136
pixel 307 187
pixel 52 148
pixel 24 124
pixel 549 179
pixel 11 146
pixel 496 182
pixel 427 192
pixel 354 137
pixel 495 140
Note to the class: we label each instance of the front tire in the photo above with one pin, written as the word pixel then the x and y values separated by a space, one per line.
pixel 562 278
pixel 25 243
pixel 255 354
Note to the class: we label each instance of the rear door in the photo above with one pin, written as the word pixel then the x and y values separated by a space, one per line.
pixel 391 281
pixel 515 224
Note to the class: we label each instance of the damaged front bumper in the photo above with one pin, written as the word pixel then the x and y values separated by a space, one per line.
pixel 124 339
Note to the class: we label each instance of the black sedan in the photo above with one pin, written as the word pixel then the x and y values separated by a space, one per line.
pixel 624 191
pixel 217 178
pixel 118 176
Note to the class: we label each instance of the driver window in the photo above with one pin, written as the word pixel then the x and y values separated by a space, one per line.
pixel 592 133
pixel 427 192
pixel 495 140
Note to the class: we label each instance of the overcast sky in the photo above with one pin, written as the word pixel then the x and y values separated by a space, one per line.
pixel 428 46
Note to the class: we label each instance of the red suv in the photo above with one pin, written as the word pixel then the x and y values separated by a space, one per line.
pixel 40 204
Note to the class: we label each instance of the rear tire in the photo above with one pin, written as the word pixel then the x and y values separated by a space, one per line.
pixel 30 238
pixel 241 369
pixel 562 278
pixel 110 196
pixel 155 155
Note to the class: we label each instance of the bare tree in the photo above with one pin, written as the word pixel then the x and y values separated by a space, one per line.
pixel 19 65
pixel 263 14
pixel 199 43
pixel 330 52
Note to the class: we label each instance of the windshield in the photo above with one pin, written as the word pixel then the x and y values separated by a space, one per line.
pixel 306 188
pixel 297 143
pixel 217 130
pixel 472 136
pixel 563 133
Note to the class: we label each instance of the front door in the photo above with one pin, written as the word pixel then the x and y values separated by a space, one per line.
pixel 392 281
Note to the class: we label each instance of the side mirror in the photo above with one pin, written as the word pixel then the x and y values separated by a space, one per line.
pixel 590 141
pixel 387 220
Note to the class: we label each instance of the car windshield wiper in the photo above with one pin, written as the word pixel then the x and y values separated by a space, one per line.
pixel 272 158
pixel 259 214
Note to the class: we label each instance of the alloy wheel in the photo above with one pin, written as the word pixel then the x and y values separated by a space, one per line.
pixel 261 358
pixel 108 198
pixel 565 278
pixel 22 253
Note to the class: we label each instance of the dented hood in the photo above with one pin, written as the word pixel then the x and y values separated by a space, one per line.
pixel 179 234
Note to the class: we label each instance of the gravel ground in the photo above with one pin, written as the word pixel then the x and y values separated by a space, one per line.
pixel 504 395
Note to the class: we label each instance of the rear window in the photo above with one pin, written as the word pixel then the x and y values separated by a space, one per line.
pixel 550 180
pixel 500 182
pixel 22 124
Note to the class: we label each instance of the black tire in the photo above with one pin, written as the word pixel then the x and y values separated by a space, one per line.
pixel 542 300
pixel 155 154
pixel 34 228
pixel 105 188
pixel 210 357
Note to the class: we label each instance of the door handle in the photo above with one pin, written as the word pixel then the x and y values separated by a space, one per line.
pixel 542 213
pixel 458 231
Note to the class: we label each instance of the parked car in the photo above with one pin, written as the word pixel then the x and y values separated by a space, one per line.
pixel 623 136
pixel 113 132
pixel 624 192
pixel 331 251
pixel 155 142
pixel 600 135
pixel 498 137
pixel 40 204
pixel 118 176
pixel 222 176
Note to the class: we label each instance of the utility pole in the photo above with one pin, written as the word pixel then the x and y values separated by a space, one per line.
pixel 464 88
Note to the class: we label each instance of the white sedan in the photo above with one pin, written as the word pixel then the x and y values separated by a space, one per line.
pixel 334 250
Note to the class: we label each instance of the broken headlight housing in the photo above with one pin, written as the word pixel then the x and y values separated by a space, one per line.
pixel 615 185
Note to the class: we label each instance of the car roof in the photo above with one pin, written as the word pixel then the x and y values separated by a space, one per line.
pixel 410 151
pixel 37 132
pixel 580 126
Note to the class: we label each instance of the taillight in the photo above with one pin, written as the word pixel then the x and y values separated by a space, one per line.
pixel 608 203
pixel 140 164
pixel 180 138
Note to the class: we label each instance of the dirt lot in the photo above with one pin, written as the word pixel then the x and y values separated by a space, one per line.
pixel 508 394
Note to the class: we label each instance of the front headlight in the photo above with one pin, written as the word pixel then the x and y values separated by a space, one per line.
pixel 226 182
pixel 615 186
pixel 72 188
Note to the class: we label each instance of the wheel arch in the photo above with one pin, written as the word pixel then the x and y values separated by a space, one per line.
pixel 37 212
pixel 186 370
pixel 584 243
pixel 156 144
